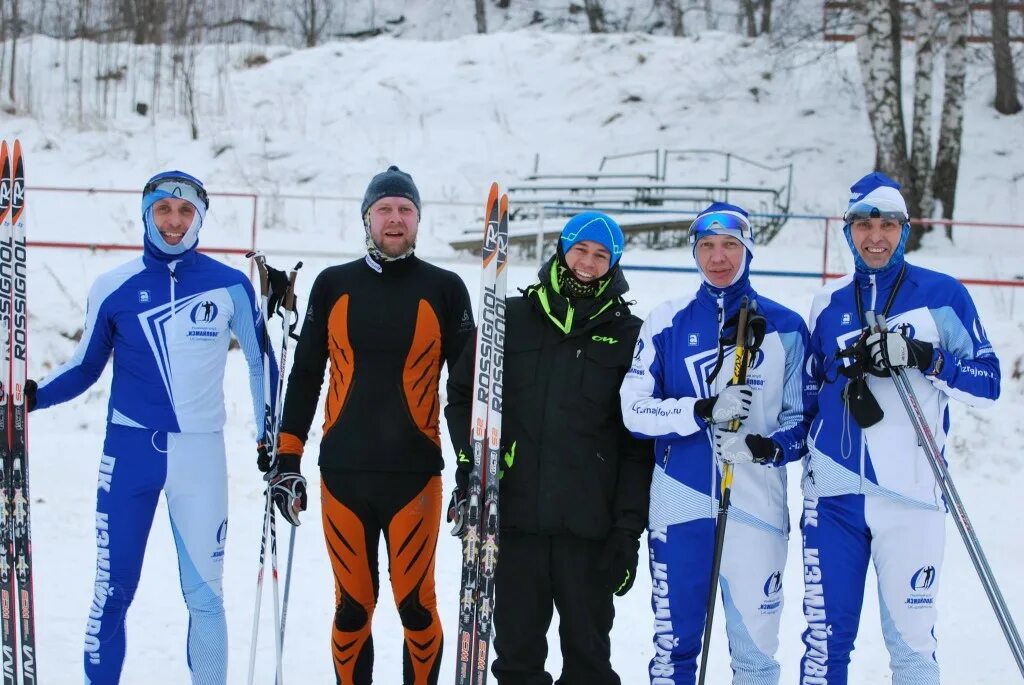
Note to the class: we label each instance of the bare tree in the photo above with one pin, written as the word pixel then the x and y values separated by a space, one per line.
pixel 947 156
pixel 595 15
pixel 15 32
pixel 1006 101
pixel 766 16
pixel 750 14
pixel 921 127
pixel 481 16
pixel 312 17
pixel 675 11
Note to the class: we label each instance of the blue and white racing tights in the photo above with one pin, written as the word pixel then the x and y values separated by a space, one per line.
pixel 905 542
pixel 753 560
pixel 190 468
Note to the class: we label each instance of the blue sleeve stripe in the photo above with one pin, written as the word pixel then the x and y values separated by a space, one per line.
pixel 247 325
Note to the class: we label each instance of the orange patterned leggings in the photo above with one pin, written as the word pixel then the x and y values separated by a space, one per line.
pixel 357 507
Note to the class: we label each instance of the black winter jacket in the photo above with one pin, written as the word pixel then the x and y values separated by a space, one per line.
pixel 568 464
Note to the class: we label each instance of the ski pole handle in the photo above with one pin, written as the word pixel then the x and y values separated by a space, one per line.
pixel 739 369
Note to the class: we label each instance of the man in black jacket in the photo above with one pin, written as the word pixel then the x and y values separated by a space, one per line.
pixel 574 483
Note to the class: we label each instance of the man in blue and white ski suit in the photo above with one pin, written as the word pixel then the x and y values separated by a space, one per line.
pixel 167 318
pixel 869 493
pixel 673 394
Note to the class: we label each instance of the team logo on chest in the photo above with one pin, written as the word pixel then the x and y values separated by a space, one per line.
pixel 204 312
pixel 204 315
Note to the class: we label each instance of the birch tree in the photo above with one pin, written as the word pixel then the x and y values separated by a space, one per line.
pixel 879 61
pixel 947 156
pixel 921 128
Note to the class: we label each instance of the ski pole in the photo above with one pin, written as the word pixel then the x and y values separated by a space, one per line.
pixel 286 321
pixel 739 375
pixel 926 440
pixel 271 420
pixel 268 430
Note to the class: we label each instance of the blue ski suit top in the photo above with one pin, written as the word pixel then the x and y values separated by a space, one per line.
pixel 168 320
pixel 676 352
pixel 885 459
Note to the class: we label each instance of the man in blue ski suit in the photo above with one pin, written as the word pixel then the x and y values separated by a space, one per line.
pixel 869 493
pixel 167 318
pixel 677 392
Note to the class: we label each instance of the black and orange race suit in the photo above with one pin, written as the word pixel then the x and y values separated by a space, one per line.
pixel 386 329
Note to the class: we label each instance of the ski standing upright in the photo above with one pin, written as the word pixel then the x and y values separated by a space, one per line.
pixel 480 541
pixel 17 602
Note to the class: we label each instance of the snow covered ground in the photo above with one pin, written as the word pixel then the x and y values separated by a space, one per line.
pixel 457 114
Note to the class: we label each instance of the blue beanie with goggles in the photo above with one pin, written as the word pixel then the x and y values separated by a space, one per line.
pixel 597 227
pixel 876 196
pixel 175 185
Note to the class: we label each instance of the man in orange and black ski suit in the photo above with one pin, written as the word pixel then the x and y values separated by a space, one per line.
pixel 386 323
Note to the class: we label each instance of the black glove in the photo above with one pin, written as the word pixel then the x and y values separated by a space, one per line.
pixel 30 394
pixel 746 448
pixel 275 298
pixel 263 457
pixel 288 487
pixel 619 560
pixel 730 404
pixel 457 512
pixel 891 350
pixel 757 326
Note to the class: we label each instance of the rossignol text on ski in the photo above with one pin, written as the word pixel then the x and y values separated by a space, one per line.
pixel 480 542
pixel 17 601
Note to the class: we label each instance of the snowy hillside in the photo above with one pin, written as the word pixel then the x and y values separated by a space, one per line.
pixel 457 114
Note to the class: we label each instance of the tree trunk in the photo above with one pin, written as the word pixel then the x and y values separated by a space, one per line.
pixel 14 49
pixel 766 17
pixel 595 15
pixel 481 17
pixel 1006 101
pixel 879 68
pixel 751 18
pixel 921 128
pixel 709 16
pixel 675 13
pixel 947 157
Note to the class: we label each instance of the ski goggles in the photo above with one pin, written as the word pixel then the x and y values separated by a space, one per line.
pixel 862 211
pixel 721 222
pixel 179 187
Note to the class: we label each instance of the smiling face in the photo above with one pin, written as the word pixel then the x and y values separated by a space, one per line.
pixel 394 222
pixel 720 257
pixel 173 218
pixel 876 240
pixel 588 260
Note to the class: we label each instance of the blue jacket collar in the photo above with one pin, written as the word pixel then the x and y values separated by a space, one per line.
pixel 709 296
pixel 153 257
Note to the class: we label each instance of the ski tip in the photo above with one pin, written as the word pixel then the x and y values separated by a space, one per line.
pixel 503 206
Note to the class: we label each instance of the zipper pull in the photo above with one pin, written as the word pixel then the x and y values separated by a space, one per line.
pixel 578 353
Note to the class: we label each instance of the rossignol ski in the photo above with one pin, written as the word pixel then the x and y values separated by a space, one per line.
pixel 480 541
pixel 17 601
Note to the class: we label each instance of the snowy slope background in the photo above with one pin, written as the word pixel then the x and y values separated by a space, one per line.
pixel 457 114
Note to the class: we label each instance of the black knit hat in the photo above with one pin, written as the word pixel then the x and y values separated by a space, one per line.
pixel 391 183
